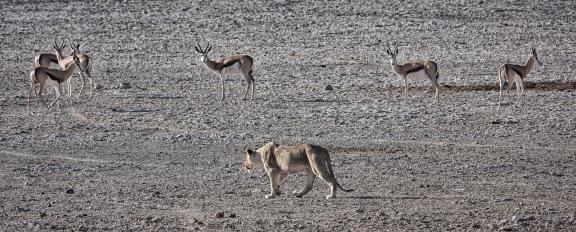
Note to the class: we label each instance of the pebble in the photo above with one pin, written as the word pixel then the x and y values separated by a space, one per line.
pixel 125 85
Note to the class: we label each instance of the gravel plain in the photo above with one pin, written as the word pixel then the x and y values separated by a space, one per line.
pixel 156 150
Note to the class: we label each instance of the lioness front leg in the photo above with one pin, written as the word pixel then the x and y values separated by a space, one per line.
pixel 308 184
pixel 273 176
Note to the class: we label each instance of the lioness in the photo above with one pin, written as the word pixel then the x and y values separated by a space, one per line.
pixel 279 161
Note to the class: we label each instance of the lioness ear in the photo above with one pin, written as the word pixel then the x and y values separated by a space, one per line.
pixel 249 151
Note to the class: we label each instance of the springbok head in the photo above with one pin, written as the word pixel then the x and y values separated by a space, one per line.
pixel 392 53
pixel 58 47
pixel 203 52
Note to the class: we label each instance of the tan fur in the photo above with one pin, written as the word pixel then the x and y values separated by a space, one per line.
pixel 41 76
pixel 86 66
pixel 513 73
pixel 429 67
pixel 45 60
pixel 279 161
pixel 242 64
pixel 63 63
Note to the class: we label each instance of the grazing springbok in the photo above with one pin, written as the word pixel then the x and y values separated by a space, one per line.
pixel 41 77
pixel 417 69
pixel 237 64
pixel 86 68
pixel 509 74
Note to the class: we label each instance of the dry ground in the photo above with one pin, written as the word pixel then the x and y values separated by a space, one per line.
pixel 161 152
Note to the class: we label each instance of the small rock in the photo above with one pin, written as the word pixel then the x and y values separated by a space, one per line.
pixel 507 228
pixel 328 87
pixel 196 221
pixel 125 85
pixel 526 218
pixel 359 211
pixel 70 191
pixel 232 215
pixel 220 215
pixel 99 86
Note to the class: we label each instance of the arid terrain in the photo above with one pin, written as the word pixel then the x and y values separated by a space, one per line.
pixel 156 150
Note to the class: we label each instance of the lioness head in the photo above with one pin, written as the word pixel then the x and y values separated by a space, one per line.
pixel 253 159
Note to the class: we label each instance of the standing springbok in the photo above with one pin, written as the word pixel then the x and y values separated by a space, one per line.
pixel 63 63
pixel 509 74
pixel 86 67
pixel 47 59
pixel 417 69
pixel 229 65
pixel 42 76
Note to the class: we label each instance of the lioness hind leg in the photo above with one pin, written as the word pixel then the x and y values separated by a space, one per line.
pixel 281 178
pixel 332 191
pixel 308 184
pixel 330 180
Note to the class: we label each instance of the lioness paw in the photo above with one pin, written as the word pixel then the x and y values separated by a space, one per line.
pixel 270 196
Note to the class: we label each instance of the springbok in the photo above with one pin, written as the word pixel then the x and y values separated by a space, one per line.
pixel 417 69
pixel 41 76
pixel 241 64
pixel 86 68
pixel 509 74
pixel 63 63
pixel 46 59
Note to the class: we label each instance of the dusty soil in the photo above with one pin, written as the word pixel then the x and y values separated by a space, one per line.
pixel 161 152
